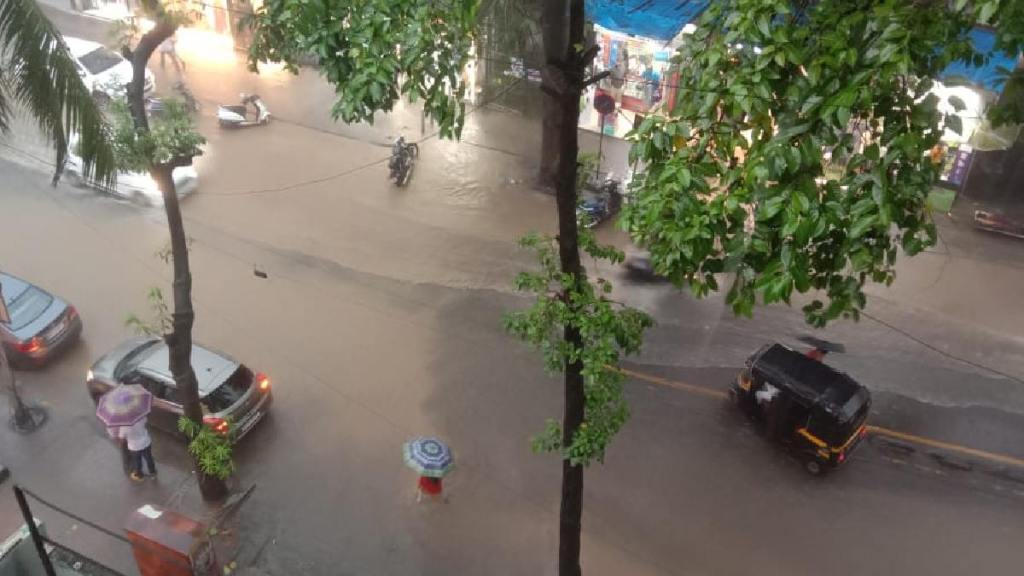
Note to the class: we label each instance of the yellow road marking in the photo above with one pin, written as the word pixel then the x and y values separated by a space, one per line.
pixel 713 393
pixel 921 440
pixel 983 454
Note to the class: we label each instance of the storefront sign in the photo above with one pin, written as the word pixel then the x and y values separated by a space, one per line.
pixel 961 164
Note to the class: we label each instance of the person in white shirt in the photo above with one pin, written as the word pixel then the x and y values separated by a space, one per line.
pixel 140 446
pixel 169 49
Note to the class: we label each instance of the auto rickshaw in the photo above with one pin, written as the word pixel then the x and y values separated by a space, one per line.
pixel 819 412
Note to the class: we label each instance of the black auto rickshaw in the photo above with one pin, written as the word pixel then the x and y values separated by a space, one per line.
pixel 816 410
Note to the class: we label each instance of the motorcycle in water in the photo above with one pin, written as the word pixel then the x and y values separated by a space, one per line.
pixel 156 105
pixel 240 116
pixel 401 162
pixel 599 201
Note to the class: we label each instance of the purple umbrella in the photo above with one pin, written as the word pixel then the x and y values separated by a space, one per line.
pixel 124 405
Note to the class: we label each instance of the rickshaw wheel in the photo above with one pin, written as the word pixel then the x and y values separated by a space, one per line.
pixel 814 467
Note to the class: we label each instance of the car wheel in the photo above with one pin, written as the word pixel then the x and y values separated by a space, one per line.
pixel 141 199
pixel 814 467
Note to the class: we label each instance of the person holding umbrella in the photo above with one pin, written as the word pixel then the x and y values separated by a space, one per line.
pixel 820 347
pixel 140 446
pixel 125 408
pixel 431 459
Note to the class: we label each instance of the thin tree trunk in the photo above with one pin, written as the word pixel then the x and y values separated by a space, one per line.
pixel 140 58
pixel 555 28
pixel 571 513
pixel 179 341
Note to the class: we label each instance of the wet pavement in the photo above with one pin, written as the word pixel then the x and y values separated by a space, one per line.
pixel 380 319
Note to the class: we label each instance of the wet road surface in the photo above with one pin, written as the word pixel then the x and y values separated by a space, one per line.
pixel 361 361
pixel 380 319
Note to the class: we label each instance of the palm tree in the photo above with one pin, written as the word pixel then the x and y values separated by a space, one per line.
pixel 37 72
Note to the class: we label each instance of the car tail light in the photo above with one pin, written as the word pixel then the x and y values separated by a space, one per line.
pixel 218 425
pixel 31 345
pixel 842 457
pixel 263 381
pixel 72 312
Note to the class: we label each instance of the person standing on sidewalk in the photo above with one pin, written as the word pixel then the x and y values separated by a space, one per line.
pixel 169 49
pixel 141 448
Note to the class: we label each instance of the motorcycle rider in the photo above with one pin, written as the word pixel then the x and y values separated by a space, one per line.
pixel 399 156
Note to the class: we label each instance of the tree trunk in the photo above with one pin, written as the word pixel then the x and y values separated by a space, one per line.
pixel 179 341
pixel 571 513
pixel 140 58
pixel 555 27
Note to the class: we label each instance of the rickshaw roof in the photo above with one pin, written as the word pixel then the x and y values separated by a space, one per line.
pixel 811 380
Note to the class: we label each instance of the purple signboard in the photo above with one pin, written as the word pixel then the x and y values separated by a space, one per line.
pixel 962 161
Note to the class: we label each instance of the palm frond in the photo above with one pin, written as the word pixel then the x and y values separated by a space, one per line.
pixel 41 75
pixel 5 110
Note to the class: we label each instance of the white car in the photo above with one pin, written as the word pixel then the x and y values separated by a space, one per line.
pixel 137 187
pixel 104 71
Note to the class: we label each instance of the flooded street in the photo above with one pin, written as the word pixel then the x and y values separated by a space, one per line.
pixel 378 316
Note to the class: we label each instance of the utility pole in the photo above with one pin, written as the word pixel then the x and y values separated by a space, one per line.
pixel 24 418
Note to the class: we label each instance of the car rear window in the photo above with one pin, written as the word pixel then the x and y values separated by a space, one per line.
pixel 99 60
pixel 230 392
pixel 134 358
pixel 27 306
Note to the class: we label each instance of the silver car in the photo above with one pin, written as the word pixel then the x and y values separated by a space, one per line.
pixel 137 187
pixel 41 323
pixel 103 71
pixel 231 395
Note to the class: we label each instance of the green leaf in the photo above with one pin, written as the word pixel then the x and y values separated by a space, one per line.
pixel 954 123
pixel 862 225
pixel 987 10
pixel 684 177
pixel 843 116
pixel 771 207
pixel 764 25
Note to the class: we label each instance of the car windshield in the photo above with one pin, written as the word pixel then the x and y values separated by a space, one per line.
pixel 99 60
pixel 228 393
pixel 27 306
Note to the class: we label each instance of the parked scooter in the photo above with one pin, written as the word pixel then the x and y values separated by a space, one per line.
pixel 156 105
pixel 403 156
pixel 241 116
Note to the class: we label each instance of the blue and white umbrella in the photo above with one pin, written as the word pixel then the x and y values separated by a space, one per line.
pixel 428 456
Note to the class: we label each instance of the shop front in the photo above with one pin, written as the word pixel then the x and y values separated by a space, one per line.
pixel 967 91
pixel 637 39
pixel 639 81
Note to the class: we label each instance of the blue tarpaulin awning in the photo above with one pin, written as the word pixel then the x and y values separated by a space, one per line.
pixel 655 19
pixel 987 76
pixel 663 19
